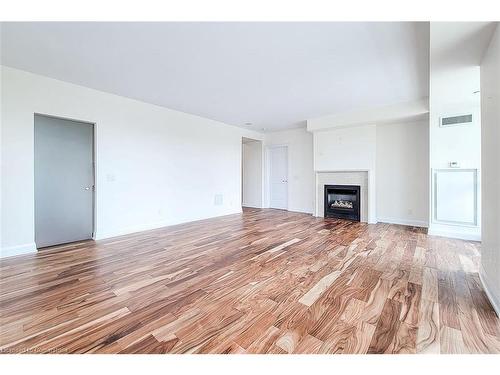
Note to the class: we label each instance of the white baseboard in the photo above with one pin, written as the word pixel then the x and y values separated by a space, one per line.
pixel 10 251
pixel 250 205
pixel 30 248
pixel 159 224
pixel 454 234
pixel 129 230
pixel 300 211
pixel 494 300
pixel 407 222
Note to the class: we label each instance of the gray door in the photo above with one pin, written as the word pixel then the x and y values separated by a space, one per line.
pixel 64 179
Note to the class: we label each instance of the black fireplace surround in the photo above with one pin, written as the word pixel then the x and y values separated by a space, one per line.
pixel 342 201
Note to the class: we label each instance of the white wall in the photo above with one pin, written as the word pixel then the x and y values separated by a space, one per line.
pixel 252 174
pixel 455 143
pixel 490 132
pixel 155 166
pixel 1 158
pixel 460 144
pixel 396 157
pixel 454 77
pixel 300 168
pixel 402 173
pixel 349 149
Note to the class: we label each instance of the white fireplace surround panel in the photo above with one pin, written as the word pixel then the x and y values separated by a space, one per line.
pixel 342 178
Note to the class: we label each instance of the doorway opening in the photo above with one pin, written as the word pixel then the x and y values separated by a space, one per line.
pixel 251 173
pixel 64 180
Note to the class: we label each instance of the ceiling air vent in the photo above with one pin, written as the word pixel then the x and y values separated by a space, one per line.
pixel 455 120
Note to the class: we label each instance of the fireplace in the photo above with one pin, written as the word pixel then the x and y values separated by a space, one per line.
pixel 342 201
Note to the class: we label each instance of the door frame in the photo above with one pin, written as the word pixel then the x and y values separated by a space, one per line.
pixel 94 167
pixel 268 173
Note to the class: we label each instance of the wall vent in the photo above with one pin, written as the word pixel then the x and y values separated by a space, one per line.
pixel 455 120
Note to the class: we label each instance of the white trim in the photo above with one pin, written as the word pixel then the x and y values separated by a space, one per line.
pixel 454 234
pixel 301 211
pixel 495 301
pixel 129 230
pixel 156 225
pixel 10 251
pixel 408 222
pixel 250 205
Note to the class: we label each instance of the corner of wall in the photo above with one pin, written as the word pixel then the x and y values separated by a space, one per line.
pixel 487 286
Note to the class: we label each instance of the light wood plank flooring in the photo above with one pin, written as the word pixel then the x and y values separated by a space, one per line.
pixel 265 281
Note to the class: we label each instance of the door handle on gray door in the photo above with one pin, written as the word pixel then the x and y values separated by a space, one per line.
pixel 87 187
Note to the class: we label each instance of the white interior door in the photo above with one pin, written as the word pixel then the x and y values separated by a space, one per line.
pixel 278 177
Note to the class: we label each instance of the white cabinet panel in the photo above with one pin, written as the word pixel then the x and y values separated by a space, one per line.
pixel 455 196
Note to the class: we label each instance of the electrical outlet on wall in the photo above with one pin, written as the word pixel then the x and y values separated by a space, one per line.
pixel 410 211
pixel 218 199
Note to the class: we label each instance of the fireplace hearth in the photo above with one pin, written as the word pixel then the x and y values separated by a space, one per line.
pixel 342 201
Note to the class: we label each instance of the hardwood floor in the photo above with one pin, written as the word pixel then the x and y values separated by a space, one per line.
pixel 266 281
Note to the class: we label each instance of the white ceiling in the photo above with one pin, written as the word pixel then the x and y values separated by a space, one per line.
pixel 458 47
pixel 455 44
pixel 274 75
